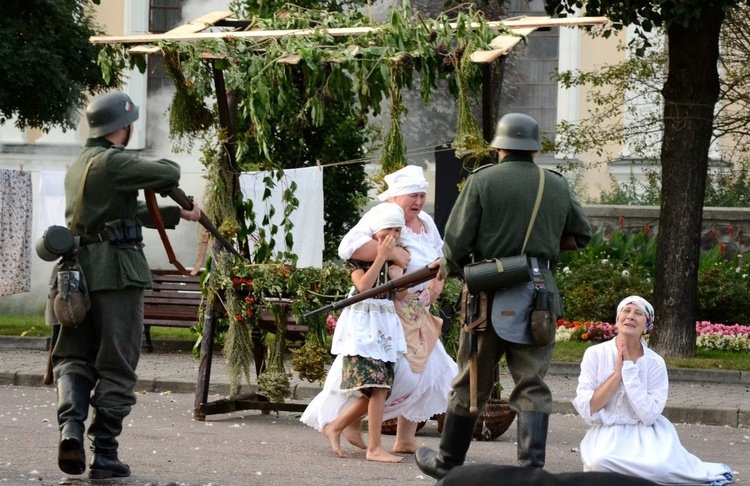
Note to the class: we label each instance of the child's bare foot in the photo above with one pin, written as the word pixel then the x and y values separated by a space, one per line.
pixel 335 439
pixel 406 447
pixel 353 434
pixel 381 455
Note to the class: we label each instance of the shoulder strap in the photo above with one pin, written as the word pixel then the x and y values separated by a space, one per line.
pixel 153 210
pixel 79 201
pixel 536 208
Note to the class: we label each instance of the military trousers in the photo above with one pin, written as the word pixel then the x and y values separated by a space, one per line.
pixel 527 364
pixel 105 348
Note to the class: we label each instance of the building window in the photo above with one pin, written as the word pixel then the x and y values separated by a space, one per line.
pixel 530 70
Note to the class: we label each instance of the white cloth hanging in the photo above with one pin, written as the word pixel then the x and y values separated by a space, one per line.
pixel 51 200
pixel 16 210
pixel 308 218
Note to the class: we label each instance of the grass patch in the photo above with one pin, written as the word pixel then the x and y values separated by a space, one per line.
pixel 565 351
pixel 34 326
pixel 572 352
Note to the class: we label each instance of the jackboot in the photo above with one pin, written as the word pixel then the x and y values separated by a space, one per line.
pixel 104 429
pixel 532 438
pixel 455 440
pixel 73 394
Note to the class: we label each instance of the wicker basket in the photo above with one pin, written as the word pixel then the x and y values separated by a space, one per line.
pixel 389 426
pixel 494 421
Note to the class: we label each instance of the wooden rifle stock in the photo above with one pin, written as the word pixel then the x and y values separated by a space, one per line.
pixel 186 202
pixel 408 280
pixel 49 377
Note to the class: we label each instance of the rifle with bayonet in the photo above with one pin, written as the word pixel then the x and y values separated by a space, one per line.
pixel 409 280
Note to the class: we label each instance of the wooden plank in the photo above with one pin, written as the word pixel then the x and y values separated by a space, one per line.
pixel 502 44
pixel 192 26
pixel 258 35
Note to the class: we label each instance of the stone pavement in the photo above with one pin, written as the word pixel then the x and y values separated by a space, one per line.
pixel 710 397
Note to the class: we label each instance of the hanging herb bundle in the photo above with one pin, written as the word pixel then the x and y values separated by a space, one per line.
pixel 469 144
pixel 188 114
pixel 310 360
pixel 393 156
pixel 238 347
pixel 274 382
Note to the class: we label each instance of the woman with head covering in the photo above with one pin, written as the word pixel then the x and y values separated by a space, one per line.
pixel 621 394
pixel 423 376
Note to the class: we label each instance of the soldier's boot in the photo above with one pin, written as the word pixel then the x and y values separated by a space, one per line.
pixel 455 440
pixel 532 438
pixel 73 395
pixel 104 429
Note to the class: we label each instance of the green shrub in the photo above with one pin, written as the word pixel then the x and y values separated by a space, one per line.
pixel 592 291
pixel 593 280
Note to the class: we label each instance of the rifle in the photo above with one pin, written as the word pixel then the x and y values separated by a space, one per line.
pixel 186 202
pixel 408 280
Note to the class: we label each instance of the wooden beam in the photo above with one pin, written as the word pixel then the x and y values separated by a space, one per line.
pixel 201 23
pixel 259 35
pixel 502 45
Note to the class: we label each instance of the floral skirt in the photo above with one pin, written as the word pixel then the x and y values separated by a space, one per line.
pixel 359 374
pixel 416 396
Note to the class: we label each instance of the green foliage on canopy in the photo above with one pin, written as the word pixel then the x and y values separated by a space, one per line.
pixel 46 61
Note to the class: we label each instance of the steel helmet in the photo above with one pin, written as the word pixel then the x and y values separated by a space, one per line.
pixel 516 131
pixel 109 112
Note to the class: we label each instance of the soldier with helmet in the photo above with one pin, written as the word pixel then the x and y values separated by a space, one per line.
pixel 509 209
pixel 95 356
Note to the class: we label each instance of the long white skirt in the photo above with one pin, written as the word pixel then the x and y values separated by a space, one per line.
pixel 654 453
pixel 416 396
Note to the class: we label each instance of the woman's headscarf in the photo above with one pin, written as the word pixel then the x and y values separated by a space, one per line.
pixel 383 216
pixel 408 180
pixel 645 306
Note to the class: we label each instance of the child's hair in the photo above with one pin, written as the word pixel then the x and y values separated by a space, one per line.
pixel 383 216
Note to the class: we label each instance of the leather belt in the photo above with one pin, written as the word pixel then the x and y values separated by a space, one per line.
pixel 98 237
pixel 543 263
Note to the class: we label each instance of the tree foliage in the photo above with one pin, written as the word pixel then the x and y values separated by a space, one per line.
pixel 690 93
pixel 304 100
pixel 46 61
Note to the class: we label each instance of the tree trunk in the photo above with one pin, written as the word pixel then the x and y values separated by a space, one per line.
pixel 690 94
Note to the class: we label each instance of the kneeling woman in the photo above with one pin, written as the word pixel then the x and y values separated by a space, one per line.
pixel 622 391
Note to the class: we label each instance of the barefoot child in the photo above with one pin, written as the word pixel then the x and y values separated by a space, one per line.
pixel 370 339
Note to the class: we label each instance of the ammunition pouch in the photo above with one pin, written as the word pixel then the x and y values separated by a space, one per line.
pixel 116 232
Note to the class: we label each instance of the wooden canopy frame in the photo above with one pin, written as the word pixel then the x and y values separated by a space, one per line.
pixel 195 30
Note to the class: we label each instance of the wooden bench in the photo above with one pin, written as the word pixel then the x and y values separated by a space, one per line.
pixel 173 302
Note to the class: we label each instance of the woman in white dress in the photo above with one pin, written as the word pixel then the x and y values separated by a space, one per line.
pixel 423 376
pixel 622 391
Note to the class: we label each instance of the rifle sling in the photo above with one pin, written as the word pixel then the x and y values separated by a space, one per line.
pixel 153 210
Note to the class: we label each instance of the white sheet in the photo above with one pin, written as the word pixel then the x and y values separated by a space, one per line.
pixel 308 219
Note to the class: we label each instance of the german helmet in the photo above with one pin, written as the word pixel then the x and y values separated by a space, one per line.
pixel 516 131
pixel 109 112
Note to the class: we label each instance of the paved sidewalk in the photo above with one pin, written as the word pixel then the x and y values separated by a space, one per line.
pixel 710 397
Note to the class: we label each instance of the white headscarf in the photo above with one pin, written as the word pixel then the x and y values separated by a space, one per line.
pixel 408 180
pixel 383 216
pixel 645 306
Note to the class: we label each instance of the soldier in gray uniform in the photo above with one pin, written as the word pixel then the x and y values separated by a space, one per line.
pixel 490 220
pixel 94 362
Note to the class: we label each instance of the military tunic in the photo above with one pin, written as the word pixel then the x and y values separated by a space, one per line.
pixel 105 348
pixel 490 220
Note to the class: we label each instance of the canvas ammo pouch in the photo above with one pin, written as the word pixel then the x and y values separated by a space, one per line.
pixel 496 274
pixel 541 319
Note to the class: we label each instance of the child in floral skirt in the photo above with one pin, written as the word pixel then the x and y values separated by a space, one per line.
pixel 370 339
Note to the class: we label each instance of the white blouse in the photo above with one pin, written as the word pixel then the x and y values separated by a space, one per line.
pixel 640 397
